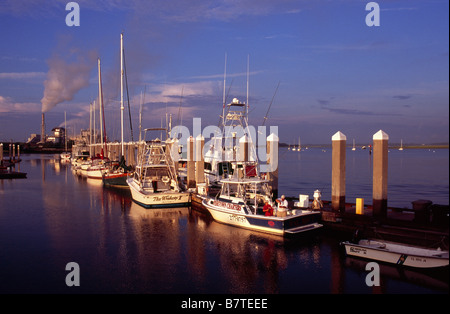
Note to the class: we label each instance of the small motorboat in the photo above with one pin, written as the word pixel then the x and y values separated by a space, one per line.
pixel 397 253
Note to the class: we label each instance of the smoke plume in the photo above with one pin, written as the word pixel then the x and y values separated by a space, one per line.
pixel 66 77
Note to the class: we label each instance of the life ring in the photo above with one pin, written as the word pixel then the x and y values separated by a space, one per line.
pixel 165 179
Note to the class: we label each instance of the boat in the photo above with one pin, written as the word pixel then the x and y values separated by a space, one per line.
pixel 116 176
pixel 66 155
pixel 240 202
pixel 397 253
pixel 154 183
pixel 353 148
pixel 401 145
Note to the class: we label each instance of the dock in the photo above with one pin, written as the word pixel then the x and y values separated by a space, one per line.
pixel 427 227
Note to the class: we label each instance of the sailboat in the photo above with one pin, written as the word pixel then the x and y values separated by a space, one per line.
pixel 98 163
pixel 401 145
pixel 117 176
pixel 353 148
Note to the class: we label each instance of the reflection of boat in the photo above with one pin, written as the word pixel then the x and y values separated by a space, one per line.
pixel 154 182
pixel 10 174
pixel 397 253
pixel 431 278
pixel 240 202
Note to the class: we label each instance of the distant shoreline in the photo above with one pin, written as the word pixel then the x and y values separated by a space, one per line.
pixel 392 146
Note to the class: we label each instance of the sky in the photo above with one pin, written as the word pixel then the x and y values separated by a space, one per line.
pixel 333 71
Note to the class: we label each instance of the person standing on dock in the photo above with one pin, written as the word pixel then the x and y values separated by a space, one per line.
pixel 282 206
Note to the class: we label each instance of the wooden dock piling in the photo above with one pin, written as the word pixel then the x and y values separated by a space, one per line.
pixel 199 160
pixel 190 163
pixel 339 141
pixel 380 174
pixel 272 162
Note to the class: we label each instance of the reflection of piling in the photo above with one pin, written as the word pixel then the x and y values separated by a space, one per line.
pixel 339 141
pixel 380 173
pixel 190 163
pixel 272 162
pixel 199 160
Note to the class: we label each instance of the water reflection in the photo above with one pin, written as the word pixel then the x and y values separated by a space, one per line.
pixel 122 247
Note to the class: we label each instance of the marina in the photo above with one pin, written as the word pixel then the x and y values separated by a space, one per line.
pixel 225 189
pixel 123 247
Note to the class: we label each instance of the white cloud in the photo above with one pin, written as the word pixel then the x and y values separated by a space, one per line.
pixel 22 75
pixel 7 105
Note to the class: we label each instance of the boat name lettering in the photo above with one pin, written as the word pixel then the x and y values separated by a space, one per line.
pixel 167 198
pixel 237 218
pixel 227 205
pixel 358 250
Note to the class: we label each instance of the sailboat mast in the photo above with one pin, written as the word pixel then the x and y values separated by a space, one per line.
pixel 101 109
pixel 121 92
pixel 224 85
pixel 100 102
pixel 65 132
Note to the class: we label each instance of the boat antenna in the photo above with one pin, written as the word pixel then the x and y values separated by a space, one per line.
pixel 248 68
pixel 180 118
pixel 270 105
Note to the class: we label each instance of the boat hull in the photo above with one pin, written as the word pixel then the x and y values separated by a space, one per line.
pixel 116 180
pixel 159 199
pixel 294 224
pixel 385 253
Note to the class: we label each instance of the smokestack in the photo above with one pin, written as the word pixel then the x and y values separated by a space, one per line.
pixel 43 129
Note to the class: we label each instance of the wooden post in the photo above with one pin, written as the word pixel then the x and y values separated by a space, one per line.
pixel 199 160
pixel 272 162
pixel 190 163
pixel 243 149
pixel 380 174
pixel 339 141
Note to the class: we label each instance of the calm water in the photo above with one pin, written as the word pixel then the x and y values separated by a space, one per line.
pixel 53 218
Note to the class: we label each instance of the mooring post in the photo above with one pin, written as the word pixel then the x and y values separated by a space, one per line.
pixel 380 174
pixel 243 148
pixel 190 163
pixel 272 163
pixel 339 141
pixel 199 160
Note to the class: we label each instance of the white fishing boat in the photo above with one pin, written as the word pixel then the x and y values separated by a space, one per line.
pixel 240 204
pixel 154 182
pixel 397 253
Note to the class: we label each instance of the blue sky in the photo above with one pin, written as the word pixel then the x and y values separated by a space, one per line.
pixel 335 72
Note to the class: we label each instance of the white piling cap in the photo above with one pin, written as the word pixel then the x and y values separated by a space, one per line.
pixel 244 139
pixel 339 136
pixel 199 138
pixel 380 135
pixel 273 138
